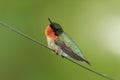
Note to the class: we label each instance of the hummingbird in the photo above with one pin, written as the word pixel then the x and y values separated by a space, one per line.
pixel 61 43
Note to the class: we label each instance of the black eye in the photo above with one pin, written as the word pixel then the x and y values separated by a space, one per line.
pixel 57 29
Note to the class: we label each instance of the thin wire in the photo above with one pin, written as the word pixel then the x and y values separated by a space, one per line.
pixel 100 74
pixel 24 35
pixel 42 44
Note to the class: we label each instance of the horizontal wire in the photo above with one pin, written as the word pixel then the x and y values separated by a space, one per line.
pixel 42 44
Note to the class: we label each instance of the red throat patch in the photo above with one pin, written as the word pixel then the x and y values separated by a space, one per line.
pixel 50 33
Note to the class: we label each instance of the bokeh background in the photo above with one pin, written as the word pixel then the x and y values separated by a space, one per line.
pixel 93 24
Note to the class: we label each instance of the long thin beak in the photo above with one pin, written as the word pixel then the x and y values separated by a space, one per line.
pixel 49 20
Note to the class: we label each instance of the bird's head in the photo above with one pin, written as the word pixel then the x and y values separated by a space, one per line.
pixel 53 30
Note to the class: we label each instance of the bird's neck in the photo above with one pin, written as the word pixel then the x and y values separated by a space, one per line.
pixel 50 33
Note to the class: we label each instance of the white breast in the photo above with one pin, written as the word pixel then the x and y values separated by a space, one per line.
pixel 52 45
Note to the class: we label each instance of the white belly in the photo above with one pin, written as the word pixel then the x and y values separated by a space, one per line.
pixel 52 45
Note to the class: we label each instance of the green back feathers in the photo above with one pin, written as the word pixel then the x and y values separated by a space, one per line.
pixel 71 44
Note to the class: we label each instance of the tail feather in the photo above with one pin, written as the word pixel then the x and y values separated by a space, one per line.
pixel 87 62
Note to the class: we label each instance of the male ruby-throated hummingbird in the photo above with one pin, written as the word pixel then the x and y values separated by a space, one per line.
pixel 61 43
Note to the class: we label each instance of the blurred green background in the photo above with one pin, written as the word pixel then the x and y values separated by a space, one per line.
pixel 93 24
